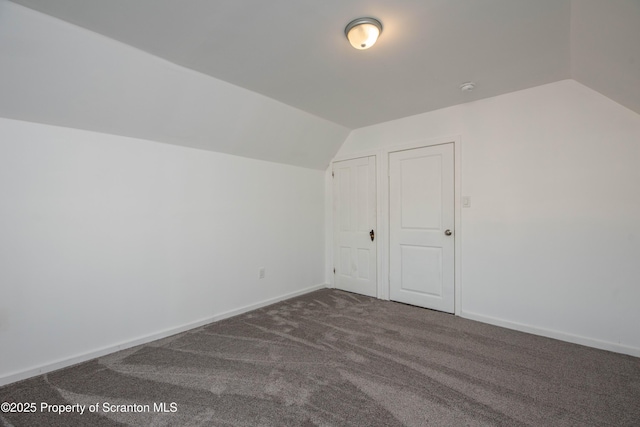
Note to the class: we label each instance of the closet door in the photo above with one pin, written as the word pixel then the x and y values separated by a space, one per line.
pixel 354 222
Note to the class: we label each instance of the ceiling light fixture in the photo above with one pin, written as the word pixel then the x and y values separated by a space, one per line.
pixel 467 87
pixel 363 32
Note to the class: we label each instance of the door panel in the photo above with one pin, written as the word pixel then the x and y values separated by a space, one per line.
pixel 421 209
pixel 417 209
pixel 419 265
pixel 354 216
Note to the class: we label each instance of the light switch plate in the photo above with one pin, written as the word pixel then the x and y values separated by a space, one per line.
pixel 466 202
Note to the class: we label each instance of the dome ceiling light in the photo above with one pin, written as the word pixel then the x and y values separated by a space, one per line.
pixel 363 32
pixel 467 86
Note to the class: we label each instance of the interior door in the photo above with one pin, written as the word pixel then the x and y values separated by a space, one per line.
pixel 354 222
pixel 421 220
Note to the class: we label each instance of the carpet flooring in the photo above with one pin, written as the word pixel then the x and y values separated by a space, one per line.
pixel 331 358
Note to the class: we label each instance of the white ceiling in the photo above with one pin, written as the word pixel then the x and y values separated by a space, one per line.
pixel 295 51
pixel 317 87
pixel 605 48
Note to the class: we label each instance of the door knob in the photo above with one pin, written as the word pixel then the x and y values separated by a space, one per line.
pixel 447 232
pixel 372 234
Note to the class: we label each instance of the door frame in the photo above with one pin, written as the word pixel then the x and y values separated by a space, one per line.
pixel 382 206
pixel 457 211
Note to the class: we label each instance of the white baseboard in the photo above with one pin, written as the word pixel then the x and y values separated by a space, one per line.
pixel 66 362
pixel 550 333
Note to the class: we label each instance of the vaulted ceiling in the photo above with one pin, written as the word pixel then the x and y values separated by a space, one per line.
pixel 295 51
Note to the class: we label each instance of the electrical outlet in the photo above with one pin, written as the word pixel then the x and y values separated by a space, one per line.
pixel 262 272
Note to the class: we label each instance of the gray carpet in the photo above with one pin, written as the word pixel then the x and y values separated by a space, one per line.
pixel 334 358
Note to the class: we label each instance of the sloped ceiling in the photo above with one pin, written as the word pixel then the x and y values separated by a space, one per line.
pixel 295 52
pixel 56 73
pixel 605 48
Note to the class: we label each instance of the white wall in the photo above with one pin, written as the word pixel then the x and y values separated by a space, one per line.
pixel 551 242
pixel 105 240
pixel 57 73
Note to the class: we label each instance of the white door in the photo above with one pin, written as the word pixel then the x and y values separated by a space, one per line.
pixel 354 218
pixel 421 208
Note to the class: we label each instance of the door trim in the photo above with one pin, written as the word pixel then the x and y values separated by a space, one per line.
pixel 383 218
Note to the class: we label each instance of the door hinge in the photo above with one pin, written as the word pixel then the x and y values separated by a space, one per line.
pixel 334 271
pixel 332 174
